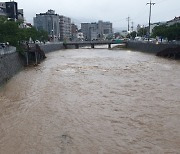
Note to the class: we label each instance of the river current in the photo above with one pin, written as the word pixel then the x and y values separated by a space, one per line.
pixel 93 101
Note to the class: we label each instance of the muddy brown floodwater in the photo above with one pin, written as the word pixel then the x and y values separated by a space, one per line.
pixel 89 101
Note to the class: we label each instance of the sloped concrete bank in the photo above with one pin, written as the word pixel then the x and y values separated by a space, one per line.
pixel 12 63
pixel 149 47
pixel 52 47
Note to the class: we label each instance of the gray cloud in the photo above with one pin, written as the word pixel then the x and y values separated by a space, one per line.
pixel 115 11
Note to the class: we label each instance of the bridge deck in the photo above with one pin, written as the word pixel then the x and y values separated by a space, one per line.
pixel 95 42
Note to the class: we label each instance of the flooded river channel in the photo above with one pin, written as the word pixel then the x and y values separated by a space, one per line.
pixel 93 101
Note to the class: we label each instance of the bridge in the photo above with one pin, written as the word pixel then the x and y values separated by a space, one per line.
pixel 93 43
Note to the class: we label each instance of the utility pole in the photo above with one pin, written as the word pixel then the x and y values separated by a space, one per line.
pixel 132 27
pixel 128 19
pixel 150 4
pixel 143 30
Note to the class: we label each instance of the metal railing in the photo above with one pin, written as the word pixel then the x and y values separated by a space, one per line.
pixel 7 50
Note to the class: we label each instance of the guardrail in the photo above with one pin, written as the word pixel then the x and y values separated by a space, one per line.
pixel 7 50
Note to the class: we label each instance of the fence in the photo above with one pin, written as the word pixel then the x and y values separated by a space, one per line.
pixel 7 50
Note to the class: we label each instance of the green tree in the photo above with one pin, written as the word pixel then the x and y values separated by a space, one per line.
pixel 133 34
pixel 142 32
pixel 170 32
pixel 11 32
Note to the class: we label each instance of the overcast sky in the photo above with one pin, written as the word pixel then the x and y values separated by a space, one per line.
pixel 115 11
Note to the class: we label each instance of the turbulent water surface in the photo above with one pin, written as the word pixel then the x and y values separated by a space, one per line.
pixel 89 101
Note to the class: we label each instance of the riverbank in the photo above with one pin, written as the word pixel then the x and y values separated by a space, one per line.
pixel 12 62
pixel 149 47
pixel 162 50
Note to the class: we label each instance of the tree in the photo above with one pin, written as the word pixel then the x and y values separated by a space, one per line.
pixel 133 34
pixel 142 32
pixel 170 32
pixel 11 32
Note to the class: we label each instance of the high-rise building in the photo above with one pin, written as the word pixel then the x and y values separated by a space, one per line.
pixel 9 9
pixel 12 10
pixel 3 9
pixel 104 29
pixel 49 22
pixel 85 29
pixel 93 31
pixel 20 14
pixel 65 28
pixel 74 31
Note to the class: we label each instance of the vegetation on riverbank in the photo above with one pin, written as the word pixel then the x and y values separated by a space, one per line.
pixel 12 32
pixel 170 32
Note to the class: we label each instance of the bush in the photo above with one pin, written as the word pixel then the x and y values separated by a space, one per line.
pixel 11 32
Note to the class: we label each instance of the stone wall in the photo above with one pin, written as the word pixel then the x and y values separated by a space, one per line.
pixel 11 61
pixel 148 47
pixel 10 64
pixel 51 47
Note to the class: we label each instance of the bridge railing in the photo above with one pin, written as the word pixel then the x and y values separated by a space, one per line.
pixel 96 42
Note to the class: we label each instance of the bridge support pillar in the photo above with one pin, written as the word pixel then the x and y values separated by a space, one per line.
pixel 77 46
pixel 92 46
pixel 109 46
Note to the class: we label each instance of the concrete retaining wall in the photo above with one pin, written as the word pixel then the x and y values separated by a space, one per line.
pixel 51 47
pixel 7 50
pixel 10 64
pixel 54 47
pixel 148 47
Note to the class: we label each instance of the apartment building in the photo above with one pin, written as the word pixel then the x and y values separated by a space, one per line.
pixel 9 9
pixel 65 28
pixel 49 22
pixel 85 29
pixel 3 9
pixel 94 31
pixel 74 31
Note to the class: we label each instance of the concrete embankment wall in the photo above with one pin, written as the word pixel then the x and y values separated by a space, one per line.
pixel 148 47
pixel 13 62
pixel 10 64
pixel 52 47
